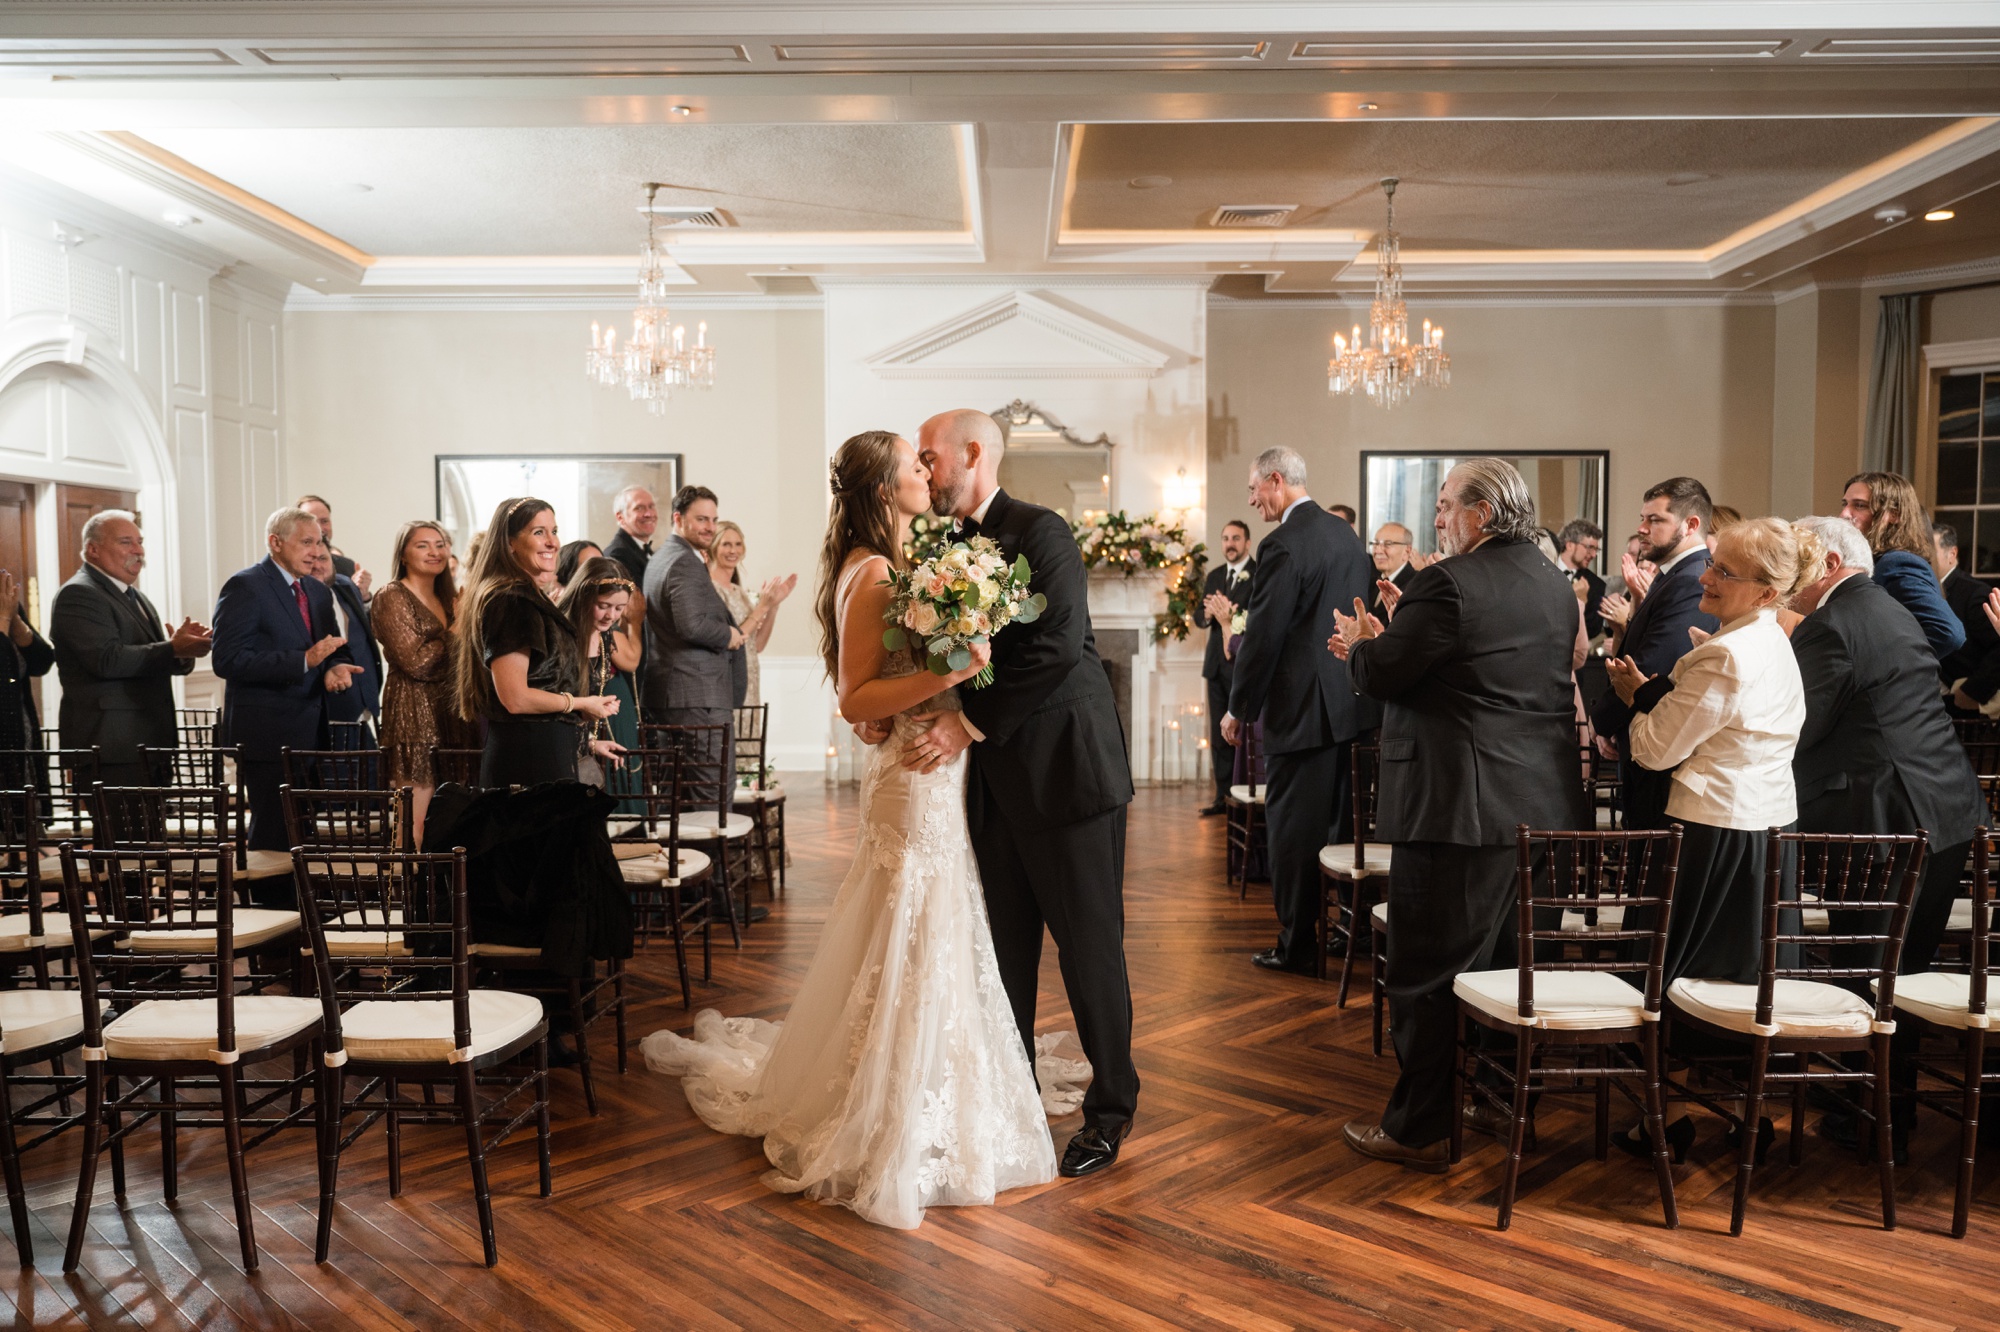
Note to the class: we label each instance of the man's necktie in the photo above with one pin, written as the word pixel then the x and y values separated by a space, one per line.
pixel 305 612
pixel 140 609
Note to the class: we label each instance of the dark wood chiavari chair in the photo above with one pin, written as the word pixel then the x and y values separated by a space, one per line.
pixel 195 766
pixel 1243 808
pixel 672 883
pixel 1954 1006
pixel 455 765
pixel 1603 791
pixel 29 876
pixel 391 947
pixel 757 793
pixel 1589 905
pixel 349 820
pixel 1806 1011
pixel 706 777
pixel 356 769
pixel 197 726
pixel 64 778
pixel 183 1021
pixel 1981 738
pixel 1352 874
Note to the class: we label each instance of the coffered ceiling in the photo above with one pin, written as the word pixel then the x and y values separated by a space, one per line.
pixel 372 147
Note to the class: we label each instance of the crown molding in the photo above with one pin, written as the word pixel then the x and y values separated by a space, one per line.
pixel 1945 275
pixel 1124 357
pixel 38 193
pixel 1524 300
pixel 303 300
pixel 1962 355
pixel 1122 281
pixel 613 272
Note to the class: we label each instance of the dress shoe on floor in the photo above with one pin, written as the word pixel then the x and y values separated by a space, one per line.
pixel 1635 1141
pixel 1210 811
pixel 1092 1150
pixel 1491 1120
pixel 1271 960
pixel 1370 1140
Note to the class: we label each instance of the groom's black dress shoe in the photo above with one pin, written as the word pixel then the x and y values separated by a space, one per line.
pixel 1270 960
pixel 1208 811
pixel 1092 1150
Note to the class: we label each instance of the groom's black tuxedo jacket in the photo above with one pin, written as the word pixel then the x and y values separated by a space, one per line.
pixel 1054 752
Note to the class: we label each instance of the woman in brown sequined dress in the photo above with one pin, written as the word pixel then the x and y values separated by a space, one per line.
pixel 412 618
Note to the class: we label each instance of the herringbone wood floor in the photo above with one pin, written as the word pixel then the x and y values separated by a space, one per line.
pixel 1236 1206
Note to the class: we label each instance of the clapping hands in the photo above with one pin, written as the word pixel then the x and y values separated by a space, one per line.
pixel 1638 574
pixel 1219 607
pixel 1626 677
pixel 1352 629
pixel 1615 608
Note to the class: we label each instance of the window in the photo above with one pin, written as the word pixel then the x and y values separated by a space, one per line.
pixel 1968 466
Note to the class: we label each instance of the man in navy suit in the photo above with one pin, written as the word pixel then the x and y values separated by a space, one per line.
pixel 363 701
pixel 1674 519
pixel 278 646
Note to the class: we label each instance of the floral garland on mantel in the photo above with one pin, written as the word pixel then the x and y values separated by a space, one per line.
pixel 1116 542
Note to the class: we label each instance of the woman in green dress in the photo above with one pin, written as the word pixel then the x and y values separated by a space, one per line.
pixel 595 603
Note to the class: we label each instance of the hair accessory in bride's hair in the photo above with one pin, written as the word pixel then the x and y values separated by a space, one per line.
pixel 833 478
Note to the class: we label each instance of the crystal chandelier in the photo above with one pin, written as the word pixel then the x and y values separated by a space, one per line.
pixel 656 359
pixel 1388 367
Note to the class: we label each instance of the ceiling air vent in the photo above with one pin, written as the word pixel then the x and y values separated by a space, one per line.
pixel 1252 215
pixel 668 216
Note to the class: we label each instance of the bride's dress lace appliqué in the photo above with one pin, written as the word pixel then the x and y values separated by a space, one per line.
pixel 898 1081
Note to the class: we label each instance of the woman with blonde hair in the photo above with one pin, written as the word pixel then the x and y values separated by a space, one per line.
pixel 754 615
pixel 413 616
pixel 1886 509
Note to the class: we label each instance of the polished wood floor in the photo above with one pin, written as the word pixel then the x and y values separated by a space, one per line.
pixel 1236 1205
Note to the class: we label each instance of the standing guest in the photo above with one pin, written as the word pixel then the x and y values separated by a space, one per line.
pixel 1478 738
pixel 114 658
pixel 1674 517
pixel 1346 513
pixel 689 632
pixel 1581 542
pixel 278 646
pixel 1390 550
pixel 637 516
pixel 1886 510
pixel 1878 753
pixel 594 603
pixel 1973 672
pixel 519 667
pixel 362 702
pixel 755 616
pixel 1225 591
pixel 573 556
pixel 1307 568
pixel 413 617
pixel 364 582
pixel 25 656
pixel 1721 519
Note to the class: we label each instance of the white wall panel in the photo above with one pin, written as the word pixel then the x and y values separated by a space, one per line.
pixel 190 343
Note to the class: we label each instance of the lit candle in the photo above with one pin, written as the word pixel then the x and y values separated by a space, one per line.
pixel 1339 345
pixel 701 334
pixel 680 336
pixel 832 766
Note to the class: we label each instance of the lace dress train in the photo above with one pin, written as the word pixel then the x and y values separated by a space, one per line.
pixel 898 1081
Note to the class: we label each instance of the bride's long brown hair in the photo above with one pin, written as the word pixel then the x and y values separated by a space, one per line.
pixel 863 477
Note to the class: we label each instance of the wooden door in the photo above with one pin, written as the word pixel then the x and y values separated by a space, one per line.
pixel 74 505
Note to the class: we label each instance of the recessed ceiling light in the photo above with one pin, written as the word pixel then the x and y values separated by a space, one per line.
pixel 1243 265
pixel 784 268
pixel 1939 215
pixel 1149 182
pixel 321 281
pixel 1747 273
pixel 1367 106
pixel 1891 213
pixel 682 110
pixel 179 219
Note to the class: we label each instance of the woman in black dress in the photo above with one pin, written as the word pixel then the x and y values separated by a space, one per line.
pixel 519 666
pixel 23 655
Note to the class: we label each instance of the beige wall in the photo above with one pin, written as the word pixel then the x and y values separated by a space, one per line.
pixel 1666 388
pixel 1962 316
pixel 371 398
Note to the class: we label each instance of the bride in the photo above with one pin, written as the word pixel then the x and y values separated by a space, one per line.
pixel 899 1080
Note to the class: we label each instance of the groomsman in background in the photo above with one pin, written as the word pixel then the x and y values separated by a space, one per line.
pixel 1226 590
pixel 1580 542
pixel 362 702
pixel 114 658
pixel 1390 550
pixel 638 517
pixel 1973 672
pixel 342 565
pixel 1311 566
pixel 1674 518
pixel 1346 514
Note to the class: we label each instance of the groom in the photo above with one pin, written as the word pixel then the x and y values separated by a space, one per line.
pixel 1048 782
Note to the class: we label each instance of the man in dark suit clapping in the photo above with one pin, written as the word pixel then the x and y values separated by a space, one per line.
pixel 1390 550
pixel 114 657
pixel 1311 566
pixel 1675 518
pixel 1225 591
pixel 1478 736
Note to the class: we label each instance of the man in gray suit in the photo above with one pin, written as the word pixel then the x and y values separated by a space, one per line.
pixel 690 635
pixel 114 658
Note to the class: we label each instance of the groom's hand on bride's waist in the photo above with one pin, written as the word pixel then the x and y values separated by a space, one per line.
pixel 873 732
pixel 943 740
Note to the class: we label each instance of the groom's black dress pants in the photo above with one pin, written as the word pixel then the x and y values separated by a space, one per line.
pixel 1071 879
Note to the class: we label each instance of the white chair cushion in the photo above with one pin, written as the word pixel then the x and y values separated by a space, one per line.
pixel 1942 997
pixel 250 926
pixel 1607 819
pixel 1798 1007
pixel 701 826
pixel 1338 860
pixel 30 1019
pixel 634 850
pixel 757 795
pixel 266 865
pixel 1960 921
pixel 419 1030
pixel 378 941
pixel 14 936
pixel 1244 795
pixel 501 950
pixel 658 872
pixel 1379 913
pixel 1564 1000
pixel 1608 918
pixel 163 1029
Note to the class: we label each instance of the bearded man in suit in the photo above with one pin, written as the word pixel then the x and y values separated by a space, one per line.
pixel 1225 591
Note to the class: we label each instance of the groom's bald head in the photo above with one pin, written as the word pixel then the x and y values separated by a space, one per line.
pixel 962 449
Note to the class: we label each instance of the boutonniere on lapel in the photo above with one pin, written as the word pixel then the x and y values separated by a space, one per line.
pixel 1238 576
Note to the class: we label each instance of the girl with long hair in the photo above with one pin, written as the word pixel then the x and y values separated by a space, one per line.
pixel 412 617
pixel 594 601
pixel 519 666
pixel 1888 511
pixel 899 1080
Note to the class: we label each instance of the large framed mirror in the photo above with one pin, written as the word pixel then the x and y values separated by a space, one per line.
pixel 581 486
pixel 1402 488
pixel 1049 464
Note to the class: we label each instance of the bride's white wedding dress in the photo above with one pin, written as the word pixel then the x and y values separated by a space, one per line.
pixel 898 1081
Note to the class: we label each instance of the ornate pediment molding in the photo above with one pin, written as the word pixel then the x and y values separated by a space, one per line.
pixel 1020 336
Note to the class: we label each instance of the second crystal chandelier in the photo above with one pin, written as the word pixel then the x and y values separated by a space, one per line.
pixel 1388 367
pixel 657 358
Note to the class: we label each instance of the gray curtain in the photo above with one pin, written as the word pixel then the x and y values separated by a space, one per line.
pixel 1890 444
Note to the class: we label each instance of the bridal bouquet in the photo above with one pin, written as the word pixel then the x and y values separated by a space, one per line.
pixel 958 595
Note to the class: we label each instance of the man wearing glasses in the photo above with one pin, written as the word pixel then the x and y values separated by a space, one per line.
pixel 1581 541
pixel 1391 552
pixel 1674 519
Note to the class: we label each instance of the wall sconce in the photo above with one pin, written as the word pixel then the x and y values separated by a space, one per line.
pixel 1181 491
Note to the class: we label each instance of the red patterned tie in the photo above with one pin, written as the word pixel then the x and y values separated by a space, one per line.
pixel 305 612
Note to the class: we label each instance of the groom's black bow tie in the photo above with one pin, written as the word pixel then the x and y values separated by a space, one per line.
pixel 968 528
